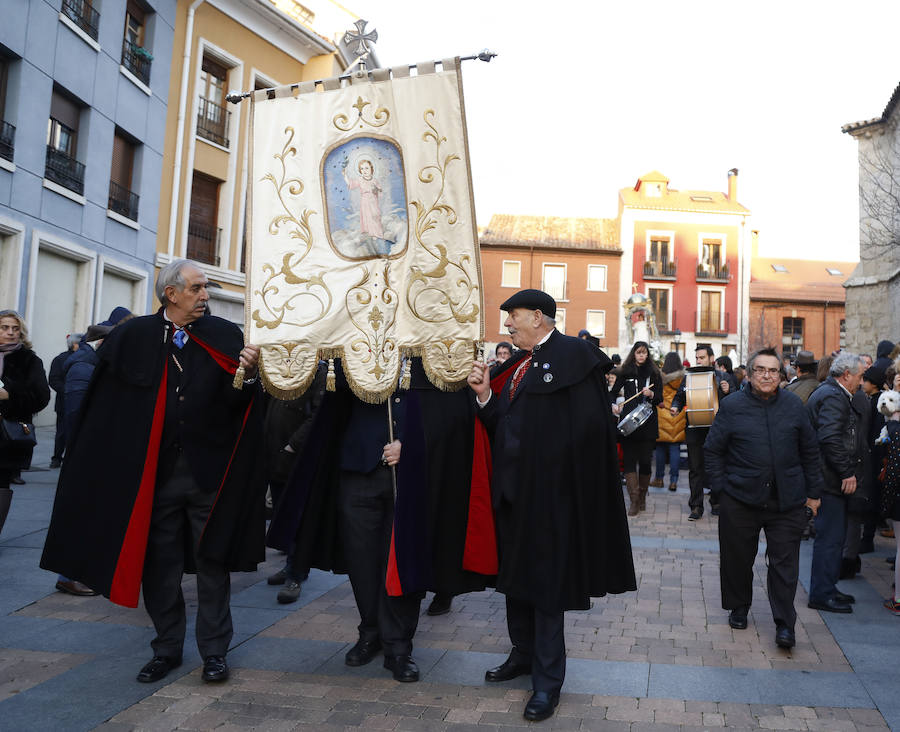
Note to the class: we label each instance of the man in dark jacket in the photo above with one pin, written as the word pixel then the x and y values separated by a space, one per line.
pixel 763 465
pixel 57 381
pixel 806 382
pixel 837 431
pixel 180 484
pixel 561 526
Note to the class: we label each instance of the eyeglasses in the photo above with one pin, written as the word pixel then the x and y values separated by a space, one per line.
pixel 763 371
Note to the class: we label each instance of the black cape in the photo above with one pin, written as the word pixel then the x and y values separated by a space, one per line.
pixel 98 529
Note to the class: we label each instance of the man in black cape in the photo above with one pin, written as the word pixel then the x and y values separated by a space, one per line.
pixel 560 515
pixel 163 473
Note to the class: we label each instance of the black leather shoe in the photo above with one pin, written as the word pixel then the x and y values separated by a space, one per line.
pixel 440 605
pixel 831 605
pixel 784 637
pixel 363 652
pixel 403 668
pixel 737 618
pixel 540 706
pixel 157 668
pixel 695 515
pixel 844 597
pixel 215 668
pixel 508 670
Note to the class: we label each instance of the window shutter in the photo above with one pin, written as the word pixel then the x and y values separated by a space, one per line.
pixel 122 162
pixel 64 110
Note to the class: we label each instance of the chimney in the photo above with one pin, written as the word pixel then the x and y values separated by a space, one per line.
pixel 732 185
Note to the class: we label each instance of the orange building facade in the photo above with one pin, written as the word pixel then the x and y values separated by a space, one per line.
pixel 798 305
pixel 576 260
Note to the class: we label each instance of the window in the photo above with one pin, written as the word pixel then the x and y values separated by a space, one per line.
pixel 659 249
pixel 659 296
pixel 679 348
pixel 203 231
pixel 135 57
pixel 596 323
pixel 82 14
pixel 710 258
pixel 728 348
pixel 121 198
pixel 212 117
pixel 780 268
pixel 843 336
pixel 791 336
pixel 660 262
pixel 62 144
pixel 512 274
pixel 596 278
pixel 554 281
pixel 561 320
pixel 834 271
pixel 710 310
pixel 7 131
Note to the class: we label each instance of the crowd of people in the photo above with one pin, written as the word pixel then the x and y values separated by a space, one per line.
pixel 447 492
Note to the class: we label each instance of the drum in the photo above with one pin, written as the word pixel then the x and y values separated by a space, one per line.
pixel 635 418
pixel 701 396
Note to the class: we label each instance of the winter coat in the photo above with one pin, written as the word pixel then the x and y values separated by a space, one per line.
pixel 671 429
pixel 763 452
pixel 629 383
pixel 77 372
pixel 25 381
pixel 803 386
pixel 837 431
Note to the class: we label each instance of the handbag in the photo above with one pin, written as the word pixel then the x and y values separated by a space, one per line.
pixel 20 434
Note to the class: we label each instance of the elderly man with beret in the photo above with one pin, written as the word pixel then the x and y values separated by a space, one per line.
pixel 562 534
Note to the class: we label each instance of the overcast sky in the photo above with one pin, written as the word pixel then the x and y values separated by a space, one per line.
pixel 586 96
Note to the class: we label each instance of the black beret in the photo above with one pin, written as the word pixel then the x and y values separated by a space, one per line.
pixel 875 375
pixel 531 300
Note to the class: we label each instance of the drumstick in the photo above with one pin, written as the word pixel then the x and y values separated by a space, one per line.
pixel 624 402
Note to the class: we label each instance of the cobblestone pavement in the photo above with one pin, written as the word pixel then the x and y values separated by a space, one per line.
pixel 661 658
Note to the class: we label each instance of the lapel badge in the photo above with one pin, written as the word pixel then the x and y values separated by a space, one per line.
pixel 548 377
pixel 546 365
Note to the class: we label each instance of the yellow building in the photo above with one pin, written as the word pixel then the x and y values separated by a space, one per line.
pixel 222 46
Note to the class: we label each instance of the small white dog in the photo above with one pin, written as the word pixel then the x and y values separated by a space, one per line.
pixel 889 406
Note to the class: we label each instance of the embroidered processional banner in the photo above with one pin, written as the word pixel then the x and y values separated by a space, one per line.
pixel 362 235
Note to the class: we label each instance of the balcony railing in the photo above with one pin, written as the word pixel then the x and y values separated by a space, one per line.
pixel 203 243
pixel 7 140
pixel 713 273
pixel 713 323
pixel 137 60
pixel 123 201
pixel 65 171
pixel 212 122
pixel 82 14
pixel 660 269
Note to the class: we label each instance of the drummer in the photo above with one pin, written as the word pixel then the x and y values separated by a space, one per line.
pixel 639 383
pixel 696 436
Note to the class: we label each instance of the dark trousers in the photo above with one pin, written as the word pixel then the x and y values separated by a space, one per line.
pixel 637 454
pixel 739 527
pixel 180 511
pixel 537 635
pixel 697 476
pixel 367 514
pixel 59 441
pixel 831 528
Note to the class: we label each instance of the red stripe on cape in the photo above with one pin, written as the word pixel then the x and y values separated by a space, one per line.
pixel 126 583
pixel 480 552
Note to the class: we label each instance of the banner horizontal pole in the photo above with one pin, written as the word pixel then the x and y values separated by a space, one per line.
pixel 238 97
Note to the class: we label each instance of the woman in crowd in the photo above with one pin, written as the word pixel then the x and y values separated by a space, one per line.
pixel 23 391
pixel 640 383
pixel 671 427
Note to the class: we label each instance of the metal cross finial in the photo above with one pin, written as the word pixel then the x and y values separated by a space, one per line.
pixel 361 38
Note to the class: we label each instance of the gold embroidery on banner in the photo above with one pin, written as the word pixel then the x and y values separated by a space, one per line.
pixel 437 296
pixel 448 361
pixel 277 308
pixel 379 119
pixel 376 345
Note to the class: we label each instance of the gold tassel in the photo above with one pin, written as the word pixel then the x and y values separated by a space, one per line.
pixel 238 382
pixel 406 378
pixel 330 379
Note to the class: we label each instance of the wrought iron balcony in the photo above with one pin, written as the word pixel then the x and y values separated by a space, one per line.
pixel 713 273
pixel 137 60
pixel 123 201
pixel 203 243
pixel 65 171
pixel 82 14
pixel 661 269
pixel 7 140
pixel 212 122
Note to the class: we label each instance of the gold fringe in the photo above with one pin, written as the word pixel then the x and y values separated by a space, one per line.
pixel 407 375
pixel 277 391
pixel 238 382
pixel 330 379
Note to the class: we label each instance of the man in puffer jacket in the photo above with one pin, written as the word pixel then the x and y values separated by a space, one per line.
pixel 837 431
pixel 763 465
